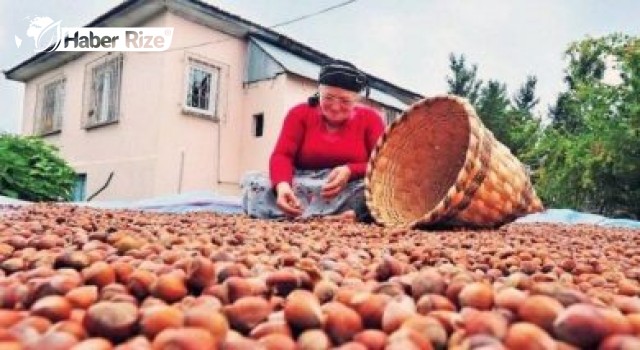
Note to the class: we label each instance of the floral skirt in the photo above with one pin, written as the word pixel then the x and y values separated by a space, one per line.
pixel 259 199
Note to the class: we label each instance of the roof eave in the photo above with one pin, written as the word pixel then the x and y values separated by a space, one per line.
pixel 133 12
pixel 128 13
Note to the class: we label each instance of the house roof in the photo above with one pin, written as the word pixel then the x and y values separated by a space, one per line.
pixel 307 69
pixel 134 12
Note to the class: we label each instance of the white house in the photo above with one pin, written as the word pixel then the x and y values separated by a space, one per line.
pixel 194 117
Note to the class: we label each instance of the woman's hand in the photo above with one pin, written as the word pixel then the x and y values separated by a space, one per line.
pixel 336 181
pixel 287 201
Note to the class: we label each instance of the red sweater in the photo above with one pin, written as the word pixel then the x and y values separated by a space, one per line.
pixel 305 143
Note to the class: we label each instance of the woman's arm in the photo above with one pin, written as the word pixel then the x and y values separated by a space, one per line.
pixel 281 163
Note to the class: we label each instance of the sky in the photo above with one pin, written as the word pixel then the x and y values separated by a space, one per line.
pixel 407 42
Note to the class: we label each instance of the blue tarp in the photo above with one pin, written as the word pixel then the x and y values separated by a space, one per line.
pixel 210 201
pixel 180 203
pixel 572 217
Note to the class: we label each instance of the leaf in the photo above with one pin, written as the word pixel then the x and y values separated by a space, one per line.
pixel 49 38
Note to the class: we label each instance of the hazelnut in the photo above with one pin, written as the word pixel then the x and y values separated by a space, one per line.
pixel 277 341
pixel 155 319
pixel 139 283
pixel 127 243
pixel 477 295
pixel 123 271
pixel 313 339
pixel 428 281
pixel 55 341
pixel 431 302
pixel 72 327
pixel 634 322
pixel 372 338
pixel 114 321
pixel 371 308
pixel 93 344
pixel 302 310
pixel 352 346
pixel 342 322
pixel 540 310
pixel 10 317
pixel 200 272
pixel 396 311
pixel 137 343
pixel 429 327
pixel 449 319
pixel 247 312
pixel 510 298
pixel 99 273
pixel 325 290
pixel 241 343
pixel 270 327
pixel 407 338
pixel 183 339
pixel 238 287
pixel 53 307
pixel 485 322
pixel 481 341
pixel 73 259
pixel 628 287
pixel 620 342
pixel 282 282
pixel 169 287
pixel 581 325
pixel 207 318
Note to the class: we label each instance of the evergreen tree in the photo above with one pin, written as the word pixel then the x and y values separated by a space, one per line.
pixel 524 125
pixel 525 99
pixel 493 107
pixel 464 82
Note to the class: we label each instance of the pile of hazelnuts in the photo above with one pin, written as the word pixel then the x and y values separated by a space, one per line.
pixel 83 278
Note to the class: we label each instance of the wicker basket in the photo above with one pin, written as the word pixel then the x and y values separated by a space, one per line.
pixel 438 165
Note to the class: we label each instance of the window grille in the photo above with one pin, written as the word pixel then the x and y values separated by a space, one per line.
pixel 51 107
pixel 105 79
pixel 202 88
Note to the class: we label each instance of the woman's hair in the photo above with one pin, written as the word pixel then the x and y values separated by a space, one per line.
pixel 341 74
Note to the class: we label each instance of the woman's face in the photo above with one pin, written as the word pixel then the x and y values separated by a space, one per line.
pixel 336 103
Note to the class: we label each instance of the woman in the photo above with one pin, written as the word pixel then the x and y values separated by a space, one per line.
pixel 320 158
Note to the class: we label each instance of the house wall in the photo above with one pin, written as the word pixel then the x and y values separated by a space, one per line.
pixel 197 153
pixel 156 148
pixel 127 148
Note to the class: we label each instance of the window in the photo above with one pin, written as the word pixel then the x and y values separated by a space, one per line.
pixel 258 124
pixel 51 104
pixel 202 88
pixel 104 84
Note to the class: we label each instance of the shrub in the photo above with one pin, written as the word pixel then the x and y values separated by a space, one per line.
pixel 32 170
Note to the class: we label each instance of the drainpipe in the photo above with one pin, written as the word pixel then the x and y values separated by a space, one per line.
pixel 181 171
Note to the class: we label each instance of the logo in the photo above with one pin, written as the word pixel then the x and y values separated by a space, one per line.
pixel 48 35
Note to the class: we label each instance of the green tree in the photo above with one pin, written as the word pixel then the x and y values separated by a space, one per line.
pixel 464 81
pixel 513 124
pixel 525 99
pixel 493 107
pixel 31 169
pixel 592 160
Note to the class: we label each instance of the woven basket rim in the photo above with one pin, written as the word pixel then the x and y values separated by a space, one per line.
pixel 442 209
